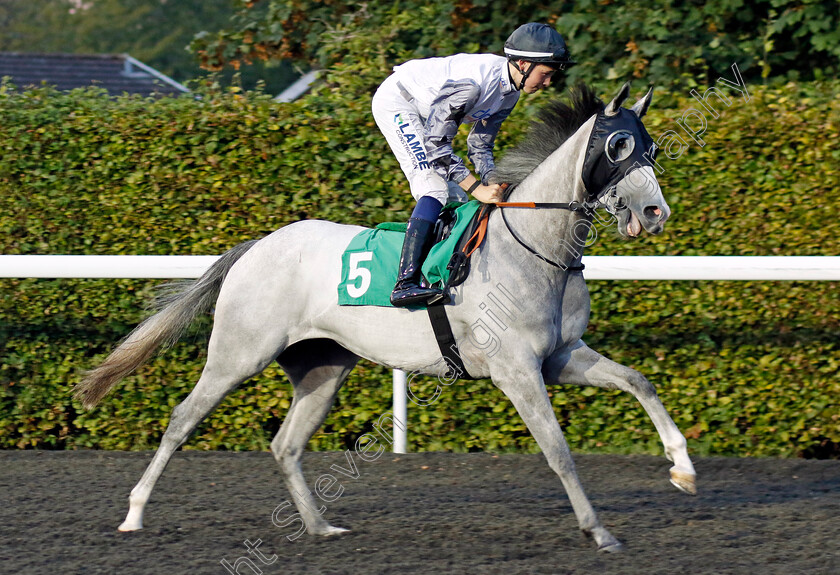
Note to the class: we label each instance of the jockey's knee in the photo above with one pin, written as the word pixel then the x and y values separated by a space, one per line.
pixel 456 194
pixel 428 183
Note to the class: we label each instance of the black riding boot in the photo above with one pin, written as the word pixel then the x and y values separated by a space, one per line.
pixel 408 291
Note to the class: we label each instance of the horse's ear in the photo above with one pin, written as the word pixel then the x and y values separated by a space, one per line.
pixel 613 107
pixel 640 108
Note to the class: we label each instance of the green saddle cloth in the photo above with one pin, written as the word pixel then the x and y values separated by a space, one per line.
pixel 370 264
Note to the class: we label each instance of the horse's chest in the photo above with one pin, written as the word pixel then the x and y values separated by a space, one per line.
pixel 569 328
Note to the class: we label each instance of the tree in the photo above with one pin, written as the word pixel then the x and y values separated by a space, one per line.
pixel 677 42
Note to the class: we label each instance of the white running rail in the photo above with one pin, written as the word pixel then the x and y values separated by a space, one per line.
pixel 597 267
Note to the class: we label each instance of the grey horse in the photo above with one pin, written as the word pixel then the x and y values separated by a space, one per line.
pixel 276 300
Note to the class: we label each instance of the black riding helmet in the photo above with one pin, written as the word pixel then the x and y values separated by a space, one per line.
pixel 538 44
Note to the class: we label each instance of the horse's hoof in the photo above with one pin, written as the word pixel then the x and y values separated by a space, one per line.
pixel 127 527
pixel 133 519
pixel 684 481
pixel 614 547
pixel 605 540
pixel 331 530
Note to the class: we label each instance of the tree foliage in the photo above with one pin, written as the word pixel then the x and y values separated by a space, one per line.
pixel 684 41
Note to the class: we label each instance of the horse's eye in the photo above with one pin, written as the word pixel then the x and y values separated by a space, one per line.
pixel 619 146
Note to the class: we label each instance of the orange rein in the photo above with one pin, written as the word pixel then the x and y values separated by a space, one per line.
pixel 477 238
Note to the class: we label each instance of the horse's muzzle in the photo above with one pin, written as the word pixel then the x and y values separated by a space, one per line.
pixel 654 217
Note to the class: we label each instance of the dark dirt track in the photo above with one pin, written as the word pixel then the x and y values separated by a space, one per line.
pixel 419 513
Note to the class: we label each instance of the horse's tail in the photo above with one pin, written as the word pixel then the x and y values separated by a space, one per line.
pixel 178 304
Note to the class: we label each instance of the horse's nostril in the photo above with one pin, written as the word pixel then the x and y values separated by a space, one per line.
pixel 653 213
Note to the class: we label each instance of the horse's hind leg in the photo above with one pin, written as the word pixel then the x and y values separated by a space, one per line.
pixel 585 367
pixel 317 369
pixel 230 361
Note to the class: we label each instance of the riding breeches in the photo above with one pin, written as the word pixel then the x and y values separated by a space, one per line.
pixel 402 126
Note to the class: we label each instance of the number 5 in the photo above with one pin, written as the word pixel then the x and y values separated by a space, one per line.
pixel 355 271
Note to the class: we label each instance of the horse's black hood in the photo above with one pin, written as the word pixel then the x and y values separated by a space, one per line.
pixel 617 144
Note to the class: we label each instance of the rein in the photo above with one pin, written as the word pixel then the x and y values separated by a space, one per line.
pixel 579 268
pixel 477 237
pixel 571 206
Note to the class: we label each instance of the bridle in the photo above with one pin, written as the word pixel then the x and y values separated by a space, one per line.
pixel 584 207
pixel 609 158
pixel 601 171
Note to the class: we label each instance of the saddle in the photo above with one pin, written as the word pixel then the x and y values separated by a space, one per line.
pixel 469 241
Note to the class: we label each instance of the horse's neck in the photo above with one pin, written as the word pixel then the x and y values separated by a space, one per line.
pixel 557 234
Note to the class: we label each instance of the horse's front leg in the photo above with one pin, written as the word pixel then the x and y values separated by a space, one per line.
pixel 529 397
pixel 585 367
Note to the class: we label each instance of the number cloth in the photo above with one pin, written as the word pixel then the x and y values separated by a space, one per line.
pixel 370 263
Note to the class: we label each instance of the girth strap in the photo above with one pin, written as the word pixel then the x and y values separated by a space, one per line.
pixel 446 342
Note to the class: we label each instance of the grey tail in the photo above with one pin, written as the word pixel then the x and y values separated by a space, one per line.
pixel 177 305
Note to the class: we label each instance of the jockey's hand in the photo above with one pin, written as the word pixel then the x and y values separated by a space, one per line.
pixel 491 194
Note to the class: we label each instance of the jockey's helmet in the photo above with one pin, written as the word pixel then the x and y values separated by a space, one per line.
pixel 540 44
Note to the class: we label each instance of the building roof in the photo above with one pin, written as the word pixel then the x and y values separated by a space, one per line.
pixel 117 73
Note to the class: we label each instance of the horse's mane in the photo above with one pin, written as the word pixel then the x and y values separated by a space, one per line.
pixel 555 123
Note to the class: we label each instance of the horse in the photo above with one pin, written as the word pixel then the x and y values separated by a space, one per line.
pixel 275 300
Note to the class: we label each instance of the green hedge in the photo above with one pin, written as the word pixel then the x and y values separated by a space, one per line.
pixel 745 368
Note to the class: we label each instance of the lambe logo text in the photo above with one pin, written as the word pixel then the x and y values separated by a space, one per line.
pixel 412 143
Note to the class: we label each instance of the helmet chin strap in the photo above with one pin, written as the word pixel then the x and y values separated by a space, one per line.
pixel 525 74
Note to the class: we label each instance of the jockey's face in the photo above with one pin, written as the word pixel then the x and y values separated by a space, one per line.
pixel 539 78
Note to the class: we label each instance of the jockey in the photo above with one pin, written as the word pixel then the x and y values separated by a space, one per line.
pixel 419 109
